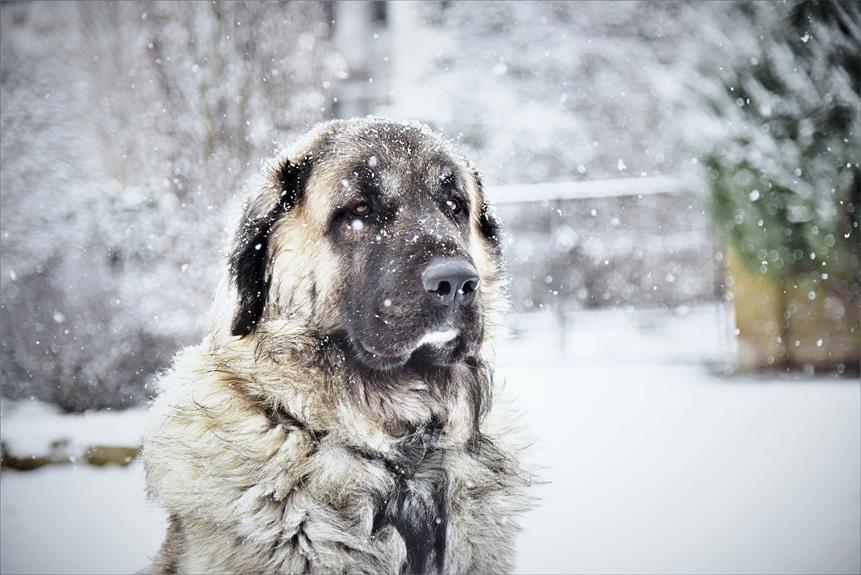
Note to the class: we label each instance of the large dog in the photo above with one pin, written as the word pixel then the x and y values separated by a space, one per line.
pixel 337 418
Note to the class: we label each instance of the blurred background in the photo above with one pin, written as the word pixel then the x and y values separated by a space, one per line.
pixel 679 187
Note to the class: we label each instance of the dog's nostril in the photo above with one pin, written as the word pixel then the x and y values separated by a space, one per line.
pixel 453 281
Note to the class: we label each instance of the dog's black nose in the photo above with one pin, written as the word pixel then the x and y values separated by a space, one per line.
pixel 451 280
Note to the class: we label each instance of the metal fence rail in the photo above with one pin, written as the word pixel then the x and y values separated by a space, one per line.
pixel 638 242
pixel 585 189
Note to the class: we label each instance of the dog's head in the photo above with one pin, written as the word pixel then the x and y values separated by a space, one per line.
pixel 377 235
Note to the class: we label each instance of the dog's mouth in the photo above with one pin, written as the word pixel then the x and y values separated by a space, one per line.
pixel 435 345
pixel 438 337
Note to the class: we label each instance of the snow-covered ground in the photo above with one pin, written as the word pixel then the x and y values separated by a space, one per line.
pixel 661 467
pixel 77 520
pixel 29 427
pixel 651 460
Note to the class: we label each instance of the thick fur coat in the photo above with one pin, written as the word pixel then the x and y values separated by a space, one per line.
pixel 314 430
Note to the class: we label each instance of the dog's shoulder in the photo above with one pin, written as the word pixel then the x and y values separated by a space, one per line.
pixel 207 440
pixel 230 468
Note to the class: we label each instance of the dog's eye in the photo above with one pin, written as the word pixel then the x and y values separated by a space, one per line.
pixel 361 210
pixel 453 205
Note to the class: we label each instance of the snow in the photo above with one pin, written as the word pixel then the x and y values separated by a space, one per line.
pixel 655 463
pixel 29 427
pixel 77 520
pixel 648 459
pixel 666 468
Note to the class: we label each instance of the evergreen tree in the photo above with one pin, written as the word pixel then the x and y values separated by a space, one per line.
pixel 779 137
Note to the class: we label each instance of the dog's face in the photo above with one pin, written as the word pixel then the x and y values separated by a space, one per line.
pixel 380 237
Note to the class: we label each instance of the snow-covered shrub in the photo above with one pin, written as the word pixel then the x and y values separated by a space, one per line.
pixel 774 121
pixel 776 125
pixel 127 129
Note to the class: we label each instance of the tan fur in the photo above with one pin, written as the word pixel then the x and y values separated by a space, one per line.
pixel 269 455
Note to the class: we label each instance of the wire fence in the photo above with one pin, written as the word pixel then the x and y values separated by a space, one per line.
pixel 641 242
pixel 638 245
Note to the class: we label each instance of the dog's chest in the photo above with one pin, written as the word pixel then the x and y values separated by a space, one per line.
pixel 399 505
pixel 418 506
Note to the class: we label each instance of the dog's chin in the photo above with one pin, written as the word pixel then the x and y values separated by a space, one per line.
pixel 437 355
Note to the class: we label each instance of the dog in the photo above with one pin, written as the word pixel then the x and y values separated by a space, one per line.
pixel 337 417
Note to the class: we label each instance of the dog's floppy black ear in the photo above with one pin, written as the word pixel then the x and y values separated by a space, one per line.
pixel 250 253
pixel 489 225
pixel 487 222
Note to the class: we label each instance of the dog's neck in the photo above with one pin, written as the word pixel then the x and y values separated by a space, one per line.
pixel 396 406
pixel 367 409
pixel 407 422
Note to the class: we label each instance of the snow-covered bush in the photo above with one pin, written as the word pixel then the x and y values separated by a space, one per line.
pixel 776 124
pixel 127 128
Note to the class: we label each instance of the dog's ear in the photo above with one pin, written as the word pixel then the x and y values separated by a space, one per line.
pixel 487 222
pixel 489 225
pixel 250 253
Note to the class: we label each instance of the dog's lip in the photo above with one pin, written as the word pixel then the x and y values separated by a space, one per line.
pixel 438 336
pixel 441 337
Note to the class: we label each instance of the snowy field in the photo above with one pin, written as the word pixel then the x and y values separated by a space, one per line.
pixel 652 462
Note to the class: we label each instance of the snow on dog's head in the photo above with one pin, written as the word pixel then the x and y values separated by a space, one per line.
pixel 373 236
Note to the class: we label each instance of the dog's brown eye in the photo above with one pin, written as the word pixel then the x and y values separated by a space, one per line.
pixel 362 209
pixel 453 205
